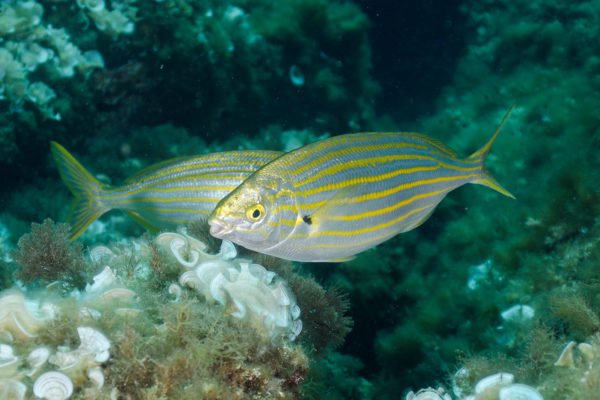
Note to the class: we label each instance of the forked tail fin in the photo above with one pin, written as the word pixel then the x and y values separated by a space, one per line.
pixel 88 191
pixel 486 178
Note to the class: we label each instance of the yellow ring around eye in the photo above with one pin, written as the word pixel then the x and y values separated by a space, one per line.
pixel 255 212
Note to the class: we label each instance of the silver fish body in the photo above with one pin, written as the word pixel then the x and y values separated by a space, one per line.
pixel 340 196
pixel 162 196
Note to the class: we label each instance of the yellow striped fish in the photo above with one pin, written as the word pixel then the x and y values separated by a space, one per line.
pixel 161 196
pixel 337 197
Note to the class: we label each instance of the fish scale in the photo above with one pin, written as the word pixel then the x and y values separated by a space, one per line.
pixel 339 196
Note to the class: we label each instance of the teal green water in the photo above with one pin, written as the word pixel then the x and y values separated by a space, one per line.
pixel 486 285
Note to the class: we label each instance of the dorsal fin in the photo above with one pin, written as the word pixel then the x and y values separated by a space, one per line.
pixel 144 172
pixel 436 143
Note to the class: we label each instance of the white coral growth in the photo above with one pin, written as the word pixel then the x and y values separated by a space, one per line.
pixel 248 289
pixel 26 44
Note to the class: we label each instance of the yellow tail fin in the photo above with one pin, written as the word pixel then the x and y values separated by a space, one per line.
pixel 88 191
pixel 486 178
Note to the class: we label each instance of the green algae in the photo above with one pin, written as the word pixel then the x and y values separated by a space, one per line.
pixel 47 255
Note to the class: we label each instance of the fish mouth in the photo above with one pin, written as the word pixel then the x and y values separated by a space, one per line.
pixel 219 229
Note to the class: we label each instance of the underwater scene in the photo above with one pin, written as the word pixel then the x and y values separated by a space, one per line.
pixel 258 199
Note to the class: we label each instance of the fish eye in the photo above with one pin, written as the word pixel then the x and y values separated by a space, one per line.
pixel 255 212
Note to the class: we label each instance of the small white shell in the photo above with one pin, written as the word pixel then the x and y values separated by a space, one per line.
pixel 176 291
pixel 518 313
pixel 165 239
pixel 501 378
pixel 566 357
pixel 519 392
pixel 101 254
pixel 87 312
pixel 65 360
pixel 19 316
pixel 189 252
pixel 429 394
pixel 9 363
pixel 178 247
pixel 216 291
pixel 191 280
pixel 296 329
pixel 96 375
pixel 53 386
pixel 37 358
pixel 6 352
pixel 114 394
pixel 295 311
pixel 118 295
pixel 102 281
pixel 458 378
pixel 94 342
pixel 587 350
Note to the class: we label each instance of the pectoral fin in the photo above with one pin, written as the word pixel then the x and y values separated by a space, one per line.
pixel 328 209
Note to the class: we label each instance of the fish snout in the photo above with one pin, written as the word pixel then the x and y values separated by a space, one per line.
pixel 218 228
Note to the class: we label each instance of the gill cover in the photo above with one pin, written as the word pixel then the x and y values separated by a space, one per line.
pixel 278 201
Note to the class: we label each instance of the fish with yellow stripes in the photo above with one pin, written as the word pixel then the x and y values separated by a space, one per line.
pixel 337 197
pixel 162 196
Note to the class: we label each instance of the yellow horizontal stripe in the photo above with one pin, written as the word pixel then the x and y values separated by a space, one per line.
pixel 376 195
pixel 161 200
pixel 160 210
pixel 243 161
pixel 148 184
pixel 433 145
pixel 368 179
pixel 346 245
pixel 384 210
pixel 81 224
pixel 317 162
pixel 351 138
pixel 367 162
pixel 195 188
pixel 206 176
pixel 169 190
pixel 363 230
pixel 372 162
pixel 373 213
pixel 313 148
pixel 369 196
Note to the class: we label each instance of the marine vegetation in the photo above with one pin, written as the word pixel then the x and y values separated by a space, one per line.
pixel 221 327
pixel 46 255
pixel 325 319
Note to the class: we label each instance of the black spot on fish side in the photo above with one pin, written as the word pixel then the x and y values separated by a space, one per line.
pixel 307 219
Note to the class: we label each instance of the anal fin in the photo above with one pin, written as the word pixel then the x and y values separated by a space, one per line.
pixel 143 221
